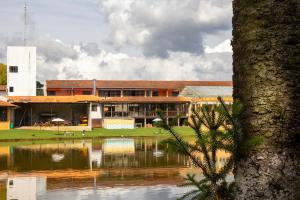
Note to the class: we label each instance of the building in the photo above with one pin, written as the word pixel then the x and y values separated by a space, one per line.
pixel 135 103
pixel 6 114
pixel 21 71
pixel 88 104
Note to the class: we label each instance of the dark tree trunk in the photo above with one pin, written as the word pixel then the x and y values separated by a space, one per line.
pixel 266 67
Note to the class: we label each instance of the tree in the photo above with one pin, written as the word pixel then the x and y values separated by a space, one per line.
pixel 39 89
pixel 266 67
pixel 2 74
pixel 209 139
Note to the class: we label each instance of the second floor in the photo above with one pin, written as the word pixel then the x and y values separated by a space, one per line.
pixel 113 88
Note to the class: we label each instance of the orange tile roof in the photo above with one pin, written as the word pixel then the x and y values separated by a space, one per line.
pixel 130 84
pixel 55 99
pixel 6 104
pixel 146 100
pixel 91 98
pixel 210 99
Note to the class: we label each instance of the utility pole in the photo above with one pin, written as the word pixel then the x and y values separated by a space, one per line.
pixel 25 22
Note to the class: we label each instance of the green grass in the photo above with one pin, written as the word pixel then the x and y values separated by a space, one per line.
pixel 16 135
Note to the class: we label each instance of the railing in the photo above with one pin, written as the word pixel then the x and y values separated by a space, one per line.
pixel 137 114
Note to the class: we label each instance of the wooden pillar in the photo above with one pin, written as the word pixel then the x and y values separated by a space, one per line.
pixel 178 118
pixel 167 113
pixel 89 114
pixel 31 115
pixel 145 115
pixel 110 110
pixel 72 120
pixel 51 110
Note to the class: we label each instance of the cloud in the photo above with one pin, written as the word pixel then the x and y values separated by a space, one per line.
pixel 52 50
pixel 87 61
pixel 90 48
pixel 179 66
pixel 160 27
pixel 224 46
pixel 153 40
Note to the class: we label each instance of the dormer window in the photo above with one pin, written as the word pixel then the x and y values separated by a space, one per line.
pixel 13 69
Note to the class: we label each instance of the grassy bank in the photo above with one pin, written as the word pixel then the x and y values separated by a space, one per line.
pixel 16 135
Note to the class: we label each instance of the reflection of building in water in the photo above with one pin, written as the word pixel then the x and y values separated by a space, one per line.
pixel 25 188
pixel 46 156
pixel 221 158
pixel 95 156
pixel 4 157
pixel 118 146
pixel 119 152
pixel 100 153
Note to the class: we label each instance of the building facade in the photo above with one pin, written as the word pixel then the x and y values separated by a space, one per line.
pixel 101 103
pixel 140 100
pixel 21 71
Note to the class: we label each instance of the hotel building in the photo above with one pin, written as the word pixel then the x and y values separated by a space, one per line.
pixel 112 104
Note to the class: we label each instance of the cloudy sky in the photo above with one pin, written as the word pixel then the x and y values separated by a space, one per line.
pixel 123 39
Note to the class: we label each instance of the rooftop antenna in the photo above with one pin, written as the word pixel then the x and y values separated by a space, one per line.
pixel 25 22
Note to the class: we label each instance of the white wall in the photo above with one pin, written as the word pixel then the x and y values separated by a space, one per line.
pixel 96 114
pixel 24 81
pixel 25 188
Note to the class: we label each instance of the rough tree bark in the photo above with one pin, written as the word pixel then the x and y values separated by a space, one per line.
pixel 266 67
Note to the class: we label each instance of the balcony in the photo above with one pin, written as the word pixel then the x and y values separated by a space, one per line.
pixel 147 114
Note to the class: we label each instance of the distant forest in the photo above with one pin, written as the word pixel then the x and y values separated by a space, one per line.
pixel 3 74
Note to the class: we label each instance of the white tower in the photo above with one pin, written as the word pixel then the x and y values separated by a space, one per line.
pixel 21 71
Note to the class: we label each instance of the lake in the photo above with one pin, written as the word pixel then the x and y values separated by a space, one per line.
pixel 110 168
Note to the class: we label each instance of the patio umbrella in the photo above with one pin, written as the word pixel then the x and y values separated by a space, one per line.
pixel 57 120
pixel 157 120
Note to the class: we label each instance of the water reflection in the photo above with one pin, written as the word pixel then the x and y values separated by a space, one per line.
pixel 25 188
pixel 92 169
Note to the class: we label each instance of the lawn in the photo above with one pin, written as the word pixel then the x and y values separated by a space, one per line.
pixel 14 134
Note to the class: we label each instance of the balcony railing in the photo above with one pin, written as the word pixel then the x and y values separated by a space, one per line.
pixel 136 114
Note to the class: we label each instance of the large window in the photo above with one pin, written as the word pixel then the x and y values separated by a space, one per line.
pixel 148 93
pixel 3 114
pixel 110 93
pixel 155 93
pixel 13 69
pixel 51 93
pixel 86 92
pixel 175 93
pixel 133 93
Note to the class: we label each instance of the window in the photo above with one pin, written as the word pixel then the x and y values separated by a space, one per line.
pixel 110 93
pixel 155 93
pixel 51 93
pixel 86 92
pixel 175 93
pixel 3 114
pixel 148 93
pixel 11 89
pixel 133 93
pixel 13 69
pixel 94 108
